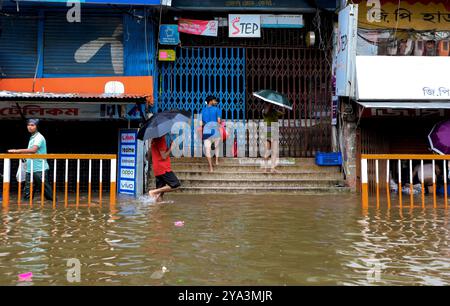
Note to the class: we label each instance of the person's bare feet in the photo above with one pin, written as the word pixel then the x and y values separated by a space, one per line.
pixel 154 195
pixel 273 170
pixel 211 170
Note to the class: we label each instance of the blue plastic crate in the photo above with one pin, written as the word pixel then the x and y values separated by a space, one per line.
pixel 329 159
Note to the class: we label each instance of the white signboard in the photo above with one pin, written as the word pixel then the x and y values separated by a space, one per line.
pixel 65 111
pixel 244 25
pixel 346 51
pixel 403 77
pixel 282 21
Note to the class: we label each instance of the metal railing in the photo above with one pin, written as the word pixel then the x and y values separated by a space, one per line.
pixel 42 158
pixel 372 181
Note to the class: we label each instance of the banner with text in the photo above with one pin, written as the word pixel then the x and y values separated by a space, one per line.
pixel 198 27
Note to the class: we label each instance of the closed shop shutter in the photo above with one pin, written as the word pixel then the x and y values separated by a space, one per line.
pixel 18 46
pixel 92 47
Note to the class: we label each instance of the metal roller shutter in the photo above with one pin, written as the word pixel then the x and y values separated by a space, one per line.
pixel 92 47
pixel 18 47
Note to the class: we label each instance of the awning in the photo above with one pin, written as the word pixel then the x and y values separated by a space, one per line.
pixel 14 96
pixel 405 105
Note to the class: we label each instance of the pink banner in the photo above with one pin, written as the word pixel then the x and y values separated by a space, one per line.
pixel 198 27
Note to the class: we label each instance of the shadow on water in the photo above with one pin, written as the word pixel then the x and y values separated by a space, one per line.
pixel 228 240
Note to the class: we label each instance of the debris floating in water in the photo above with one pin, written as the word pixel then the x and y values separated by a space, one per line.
pixel 160 273
pixel 26 277
pixel 179 223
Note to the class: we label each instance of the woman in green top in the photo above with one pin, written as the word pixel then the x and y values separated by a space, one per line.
pixel 271 115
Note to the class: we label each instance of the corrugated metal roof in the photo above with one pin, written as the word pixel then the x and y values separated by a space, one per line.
pixel 14 95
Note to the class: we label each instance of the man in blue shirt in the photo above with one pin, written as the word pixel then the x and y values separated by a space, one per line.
pixel 211 119
pixel 36 145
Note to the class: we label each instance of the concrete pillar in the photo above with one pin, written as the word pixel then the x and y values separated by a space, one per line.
pixel 349 154
pixel 348 143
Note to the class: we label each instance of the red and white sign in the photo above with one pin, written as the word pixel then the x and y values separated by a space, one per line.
pixel 244 25
pixel 128 138
pixel 62 111
pixel 198 27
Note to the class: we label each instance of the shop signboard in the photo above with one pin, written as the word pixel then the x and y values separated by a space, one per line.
pixel 269 5
pixel 118 2
pixel 70 111
pixel 166 55
pixel 198 27
pixel 403 78
pixel 130 163
pixel 169 35
pixel 282 21
pixel 346 51
pixel 244 26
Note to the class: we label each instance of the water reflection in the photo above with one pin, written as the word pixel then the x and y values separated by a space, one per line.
pixel 227 241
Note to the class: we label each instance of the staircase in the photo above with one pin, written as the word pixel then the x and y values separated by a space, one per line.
pixel 246 176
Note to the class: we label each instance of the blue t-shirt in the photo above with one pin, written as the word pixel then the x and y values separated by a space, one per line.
pixel 210 114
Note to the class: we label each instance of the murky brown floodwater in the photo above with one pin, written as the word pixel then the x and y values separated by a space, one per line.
pixel 248 240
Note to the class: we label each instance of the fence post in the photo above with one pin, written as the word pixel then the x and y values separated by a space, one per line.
pixel 364 183
pixel 112 192
pixel 6 181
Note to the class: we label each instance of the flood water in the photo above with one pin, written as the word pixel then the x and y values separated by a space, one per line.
pixel 228 240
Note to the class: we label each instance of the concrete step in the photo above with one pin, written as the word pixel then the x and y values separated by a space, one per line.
pixel 226 182
pixel 265 190
pixel 245 161
pixel 250 167
pixel 251 175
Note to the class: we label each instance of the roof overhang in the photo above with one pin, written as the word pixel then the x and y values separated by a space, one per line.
pixel 28 97
pixel 405 105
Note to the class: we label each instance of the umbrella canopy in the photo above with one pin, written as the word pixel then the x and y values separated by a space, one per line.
pixel 273 97
pixel 439 138
pixel 161 124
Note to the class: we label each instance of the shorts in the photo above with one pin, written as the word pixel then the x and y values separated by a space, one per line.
pixel 168 178
pixel 208 145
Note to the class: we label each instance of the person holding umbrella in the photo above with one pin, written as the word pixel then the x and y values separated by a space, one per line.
pixel 155 130
pixel 272 115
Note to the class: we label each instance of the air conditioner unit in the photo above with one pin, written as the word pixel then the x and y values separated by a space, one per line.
pixel 444 48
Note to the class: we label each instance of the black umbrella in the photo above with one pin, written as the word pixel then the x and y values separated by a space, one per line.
pixel 161 124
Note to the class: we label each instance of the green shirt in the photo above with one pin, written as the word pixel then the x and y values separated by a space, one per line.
pixel 37 140
pixel 270 118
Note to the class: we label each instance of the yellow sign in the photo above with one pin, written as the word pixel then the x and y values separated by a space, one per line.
pixel 167 55
pixel 423 15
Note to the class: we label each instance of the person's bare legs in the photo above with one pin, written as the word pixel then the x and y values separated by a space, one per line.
pixel 156 193
pixel 266 156
pixel 216 149
pixel 207 147
pixel 274 153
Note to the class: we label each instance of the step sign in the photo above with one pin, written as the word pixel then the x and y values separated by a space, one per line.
pixel 244 25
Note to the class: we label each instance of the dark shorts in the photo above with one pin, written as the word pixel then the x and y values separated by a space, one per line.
pixel 168 178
